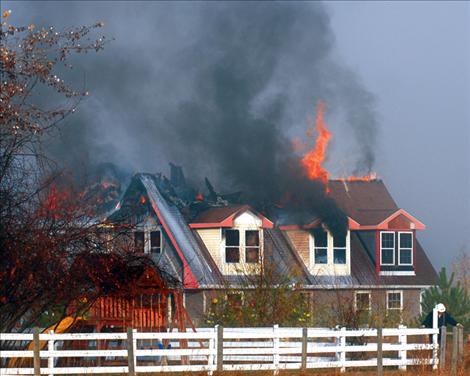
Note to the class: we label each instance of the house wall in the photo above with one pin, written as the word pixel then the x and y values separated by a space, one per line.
pixel 300 240
pixel 212 239
pixel 198 302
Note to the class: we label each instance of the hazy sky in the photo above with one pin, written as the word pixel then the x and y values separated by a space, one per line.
pixel 395 76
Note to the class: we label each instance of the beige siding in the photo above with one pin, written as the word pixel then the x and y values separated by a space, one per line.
pixel 212 240
pixel 300 240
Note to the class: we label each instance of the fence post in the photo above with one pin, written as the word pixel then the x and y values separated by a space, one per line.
pixel 276 349
pixel 380 367
pixel 455 349
pixel 213 349
pixel 303 364
pixel 36 354
pixel 435 344
pixel 442 354
pixel 403 353
pixel 50 347
pixel 131 351
pixel 460 345
pixel 343 349
pixel 220 348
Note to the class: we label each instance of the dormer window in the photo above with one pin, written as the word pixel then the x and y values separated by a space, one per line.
pixel 387 248
pixel 242 245
pixel 232 246
pixel 321 246
pixel 148 242
pixel 252 246
pixel 339 250
pixel 139 242
pixel 405 248
pixel 155 242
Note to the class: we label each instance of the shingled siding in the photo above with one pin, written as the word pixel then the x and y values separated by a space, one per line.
pixel 301 241
pixel 212 240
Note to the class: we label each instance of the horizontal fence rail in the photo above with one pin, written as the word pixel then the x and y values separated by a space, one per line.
pixel 215 349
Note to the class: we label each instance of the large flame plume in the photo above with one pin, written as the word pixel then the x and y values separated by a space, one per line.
pixel 312 160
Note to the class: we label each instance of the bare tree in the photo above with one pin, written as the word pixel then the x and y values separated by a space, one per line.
pixel 51 243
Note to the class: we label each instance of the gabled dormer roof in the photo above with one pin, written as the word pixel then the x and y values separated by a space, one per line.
pixel 369 205
pixel 226 217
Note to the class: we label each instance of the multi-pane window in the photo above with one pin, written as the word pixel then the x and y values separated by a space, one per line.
pixel 405 248
pixel 139 241
pixel 252 246
pixel 232 246
pixel 156 242
pixel 387 248
pixel 339 250
pixel 394 300
pixel 320 237
pixel 362 302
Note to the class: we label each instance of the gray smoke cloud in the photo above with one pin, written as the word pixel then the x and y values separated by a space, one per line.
pixel 220 88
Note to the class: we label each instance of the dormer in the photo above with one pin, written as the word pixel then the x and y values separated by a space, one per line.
pixel 321 252
pixel 234 237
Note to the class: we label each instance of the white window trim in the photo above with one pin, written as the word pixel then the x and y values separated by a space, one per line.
pixel 387 232
pixel 147 243
pixel 345 248
pixel 401 300
pixel 242 246
pixel 407 249
pixel 356 293
pixel 313 247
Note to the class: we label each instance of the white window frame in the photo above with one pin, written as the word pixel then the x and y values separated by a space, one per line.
pixel 401 300
pixel 345 248
pixel 356 293
pixel 149 250
pixel 241 253
pixel 313 247
pixel 387 248
pixel 407 249
pixel 242 246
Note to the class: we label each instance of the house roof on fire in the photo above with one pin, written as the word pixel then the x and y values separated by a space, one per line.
pixel 176 207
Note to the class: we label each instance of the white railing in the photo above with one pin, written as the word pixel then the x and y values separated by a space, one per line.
pixel 211 349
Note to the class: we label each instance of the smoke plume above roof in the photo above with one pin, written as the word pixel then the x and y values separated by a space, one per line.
pixel 220 88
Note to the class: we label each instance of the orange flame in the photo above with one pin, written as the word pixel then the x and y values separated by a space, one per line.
pixel 313 159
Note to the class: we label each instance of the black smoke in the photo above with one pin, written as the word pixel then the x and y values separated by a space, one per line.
pixel 219 88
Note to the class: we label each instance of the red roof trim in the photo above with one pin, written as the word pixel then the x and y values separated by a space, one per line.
pixel 228 222
pixel 189 280
pixel 418 225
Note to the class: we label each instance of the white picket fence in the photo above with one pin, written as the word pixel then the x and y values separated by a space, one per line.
pixel 211 349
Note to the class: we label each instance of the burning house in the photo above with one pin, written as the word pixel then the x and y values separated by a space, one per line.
pixel 343 235
pixel 211 242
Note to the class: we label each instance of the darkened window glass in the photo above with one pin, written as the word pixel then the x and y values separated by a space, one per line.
pixel 321 256
pixel 321 238
pixel 155 242
pixel 232 246
pixel 339 242
pixel 339 256
pixel 405 256
pixel 387 256
pixel 252 246
pixel 405 240
pixel 139 241
pixel 394 300
pixel 388 240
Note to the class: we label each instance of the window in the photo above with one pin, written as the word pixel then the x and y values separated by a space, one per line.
pixel 139 241
pixel 252 246
pixel 232 246
pixel 387 248
pixel 235 301
pixel 394 300
pixel 155 242
pixel 362 301
pixel 339 250
pixel 405 248
pixel 320 237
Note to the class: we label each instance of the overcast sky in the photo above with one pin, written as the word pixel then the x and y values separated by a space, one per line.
pixel 395 75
